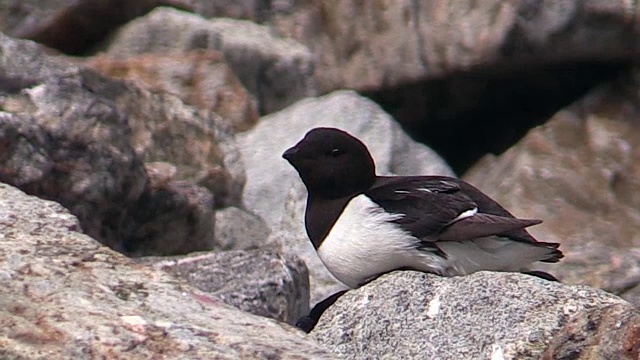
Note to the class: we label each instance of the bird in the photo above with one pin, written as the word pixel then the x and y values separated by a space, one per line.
pixel 363 225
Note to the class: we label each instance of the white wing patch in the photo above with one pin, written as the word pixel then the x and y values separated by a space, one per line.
pixel 424 190
pixel 465 214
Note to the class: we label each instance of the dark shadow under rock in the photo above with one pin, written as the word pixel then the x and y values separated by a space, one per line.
pixel 467 115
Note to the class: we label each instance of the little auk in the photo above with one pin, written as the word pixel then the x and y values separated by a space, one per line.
pixel 363 225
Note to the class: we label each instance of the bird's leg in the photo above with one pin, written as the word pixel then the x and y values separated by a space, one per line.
pixel 307 323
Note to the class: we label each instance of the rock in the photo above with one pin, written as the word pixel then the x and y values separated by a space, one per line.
pixel 579 172
pixel 62 141
pixel 81 139
pixel 272 184
pixel 260 282
pixel 484 315
pixel 239 229
pixel 255 10
pixel 63 295
pixel 200 78
pixel 612 332
pixel 75 27
pixel 171 218
pixel 598 265
pixel 367 44
pixel 276 71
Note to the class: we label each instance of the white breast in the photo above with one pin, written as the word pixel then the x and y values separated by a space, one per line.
pixel 363 243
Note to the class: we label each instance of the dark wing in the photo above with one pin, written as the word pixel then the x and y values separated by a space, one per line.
pixel 438 208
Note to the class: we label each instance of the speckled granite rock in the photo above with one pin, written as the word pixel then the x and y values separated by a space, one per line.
pixel 63 296
pixel 612 332
pixel 79 138
pixel 484 315
pixel 261 282
pixel 277 71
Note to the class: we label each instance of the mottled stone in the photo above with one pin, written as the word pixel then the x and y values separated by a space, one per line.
pixel 579 172
pixel 375 44
pixel 484 315
pixel 171 218
pixel 239 229
pixel 275 70
pixel 65 296
pixel 612 332
pixel 260 282
pixel 74 27
pixel 600 266
pixel 201 78
pixel 74 136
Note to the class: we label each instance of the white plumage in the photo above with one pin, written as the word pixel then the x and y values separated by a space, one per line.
pixel 364 243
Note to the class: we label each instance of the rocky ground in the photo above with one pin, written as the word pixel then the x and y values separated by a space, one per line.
pixel 145 211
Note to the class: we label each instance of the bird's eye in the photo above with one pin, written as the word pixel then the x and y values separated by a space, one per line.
pixel 335 152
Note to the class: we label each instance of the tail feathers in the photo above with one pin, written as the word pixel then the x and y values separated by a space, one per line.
pixel 554 253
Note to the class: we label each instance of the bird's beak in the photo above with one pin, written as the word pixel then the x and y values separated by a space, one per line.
pixel 290 153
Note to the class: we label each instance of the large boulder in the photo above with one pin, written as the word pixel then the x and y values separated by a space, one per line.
pixel 484 315
pixel 277 71
pixel 200 78
pixel 63 296
pixel 83 140
pixel 579 172
pixel 376 44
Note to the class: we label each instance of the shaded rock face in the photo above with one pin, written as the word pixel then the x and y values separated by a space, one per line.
pixel 480 316
pixel 579 172
pixel 276 71
pixel 260 282
pixel 63 295
pixel 73 136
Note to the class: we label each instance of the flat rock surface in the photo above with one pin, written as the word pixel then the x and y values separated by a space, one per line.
pixel 484 315
pixel 63 296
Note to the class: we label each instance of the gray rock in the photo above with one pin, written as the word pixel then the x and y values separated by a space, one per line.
pixel 81 139
pixel 260 282
pixel 239 229
pixel 277 71
pixel 274 190
pixel 484 315
pixel 579 172
pixel 201 78
pixel 598 265
pixel 369 45
pixel 65 142
pixel 63 296
pixel 171 218
pixel 607 333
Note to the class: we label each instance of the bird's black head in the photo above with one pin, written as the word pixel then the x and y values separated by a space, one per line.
pixel 332 163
